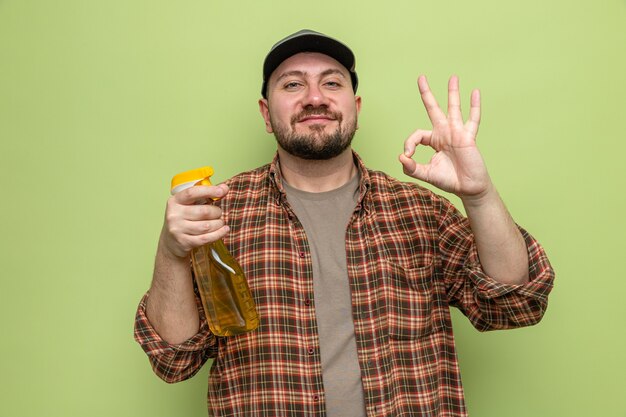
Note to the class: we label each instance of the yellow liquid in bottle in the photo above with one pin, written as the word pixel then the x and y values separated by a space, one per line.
pixel 228 304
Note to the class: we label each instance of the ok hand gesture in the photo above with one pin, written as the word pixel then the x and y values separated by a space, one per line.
pixel 457 165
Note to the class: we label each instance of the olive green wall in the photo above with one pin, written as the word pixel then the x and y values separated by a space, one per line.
pixel 101 102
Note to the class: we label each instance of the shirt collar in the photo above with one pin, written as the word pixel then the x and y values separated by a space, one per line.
pixel 277 181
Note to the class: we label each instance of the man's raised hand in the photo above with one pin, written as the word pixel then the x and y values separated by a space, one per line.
pixel 457 165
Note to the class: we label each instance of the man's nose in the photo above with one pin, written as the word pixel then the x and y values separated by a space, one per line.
pixel 315 97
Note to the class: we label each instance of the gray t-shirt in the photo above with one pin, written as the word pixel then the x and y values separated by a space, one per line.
pixel 325 217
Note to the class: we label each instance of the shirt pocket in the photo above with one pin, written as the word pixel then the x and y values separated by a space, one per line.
pixel 409 300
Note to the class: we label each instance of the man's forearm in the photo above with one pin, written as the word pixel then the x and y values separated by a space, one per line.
pixel 171 305
pixel 500 244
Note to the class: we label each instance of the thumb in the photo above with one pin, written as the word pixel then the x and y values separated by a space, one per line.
pixel 412 168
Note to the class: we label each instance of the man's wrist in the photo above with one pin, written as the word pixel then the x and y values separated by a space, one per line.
pixel 166 254
pixel 482 199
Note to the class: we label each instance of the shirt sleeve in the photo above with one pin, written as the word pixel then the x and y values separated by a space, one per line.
pixel 174 363
pixel 487 303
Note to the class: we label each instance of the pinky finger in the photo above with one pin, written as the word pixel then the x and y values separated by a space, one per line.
pixel 200 240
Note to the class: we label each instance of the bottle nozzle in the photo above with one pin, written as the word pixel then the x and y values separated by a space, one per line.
pixel 199 176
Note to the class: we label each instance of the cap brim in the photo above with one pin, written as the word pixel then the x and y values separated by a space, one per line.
pixel 308 43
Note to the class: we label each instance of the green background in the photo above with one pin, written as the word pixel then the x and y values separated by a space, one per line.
pixel 101 102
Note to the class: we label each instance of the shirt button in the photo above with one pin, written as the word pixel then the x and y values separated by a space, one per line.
pixel 310 351
pixel 316 397
pixel 302 254
pixel 307 302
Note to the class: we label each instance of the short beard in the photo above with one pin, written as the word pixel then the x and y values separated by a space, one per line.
pixel 317 145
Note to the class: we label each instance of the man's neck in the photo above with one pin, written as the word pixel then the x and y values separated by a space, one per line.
pixel 317 176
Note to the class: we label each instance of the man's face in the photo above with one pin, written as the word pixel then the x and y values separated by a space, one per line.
pixel 311 107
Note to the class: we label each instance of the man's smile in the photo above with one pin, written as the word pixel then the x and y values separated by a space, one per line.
pixel 314 118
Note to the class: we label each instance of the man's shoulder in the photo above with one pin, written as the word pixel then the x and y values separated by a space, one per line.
pixel 392 195
pixel 387 185
pixel 249 179
pixel 247 191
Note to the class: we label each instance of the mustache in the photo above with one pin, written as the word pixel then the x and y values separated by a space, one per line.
pixel 316 112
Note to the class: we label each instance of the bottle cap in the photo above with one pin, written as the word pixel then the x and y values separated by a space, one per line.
pixel 189 178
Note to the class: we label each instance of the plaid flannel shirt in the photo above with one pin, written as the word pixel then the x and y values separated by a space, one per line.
pixel 410 255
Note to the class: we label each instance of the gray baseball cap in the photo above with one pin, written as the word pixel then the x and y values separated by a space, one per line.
pixel 307 40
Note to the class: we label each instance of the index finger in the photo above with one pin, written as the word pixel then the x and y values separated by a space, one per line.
pixel 200 193
pixel 435 114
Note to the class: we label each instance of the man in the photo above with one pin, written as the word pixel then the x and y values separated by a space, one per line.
pixel 353 272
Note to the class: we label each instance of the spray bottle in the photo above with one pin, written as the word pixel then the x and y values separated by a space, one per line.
pixel 226 298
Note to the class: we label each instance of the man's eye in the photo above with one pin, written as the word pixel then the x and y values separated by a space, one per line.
pixel 333 84
pixel 291 85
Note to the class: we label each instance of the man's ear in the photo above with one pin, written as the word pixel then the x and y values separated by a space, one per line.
pixel 357 103
pixel 265 112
